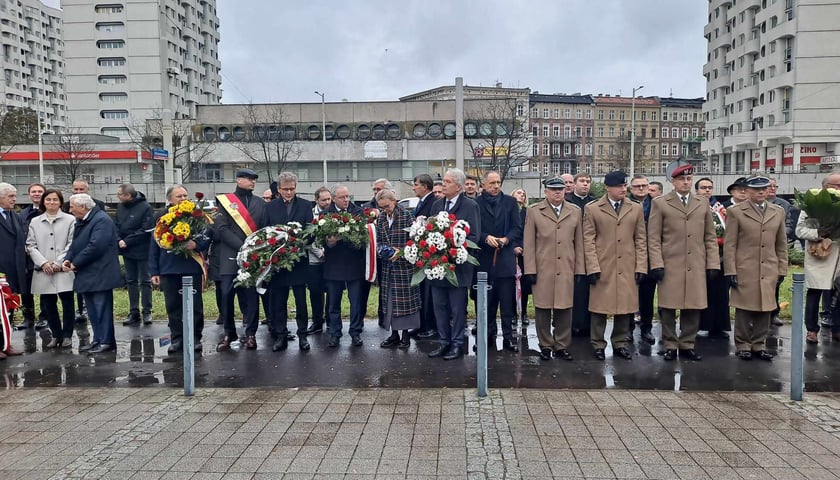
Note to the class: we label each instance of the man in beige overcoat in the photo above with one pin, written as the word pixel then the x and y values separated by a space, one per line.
pixel 553 255
pixel 615 248
pixel 683 253
pixel 754 260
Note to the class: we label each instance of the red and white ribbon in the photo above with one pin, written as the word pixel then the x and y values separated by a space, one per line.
pixel 370 254
pixel 5 325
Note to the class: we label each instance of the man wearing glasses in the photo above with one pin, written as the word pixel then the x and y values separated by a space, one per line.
pixel 789 228
pixel 639 193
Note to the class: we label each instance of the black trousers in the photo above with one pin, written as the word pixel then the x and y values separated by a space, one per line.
pixel 171 287
pixel 279 308
pixel 501 297
pixel 812 309
pixel 647 290
pixel 427 308
pixel 249 303
pixel 581 318
pixel 60 328
pixel 317 293
pixel 715 317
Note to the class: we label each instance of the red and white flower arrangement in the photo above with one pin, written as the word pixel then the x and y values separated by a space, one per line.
pixel 436 246
pixel 344 226
pixel 267 251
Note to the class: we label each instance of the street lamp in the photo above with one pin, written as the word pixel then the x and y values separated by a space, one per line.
pixel 323 133
pixel 633 130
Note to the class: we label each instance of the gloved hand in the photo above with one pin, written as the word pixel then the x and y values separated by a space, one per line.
pixel 580 278
pixel 780 280
pixel 712 273
pixel 530 278
pixel 733 281
pixel 657 274
pixel 639 277
pixel 593 278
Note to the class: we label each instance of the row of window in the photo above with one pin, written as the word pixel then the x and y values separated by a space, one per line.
pixel 675 149
pixel 567 113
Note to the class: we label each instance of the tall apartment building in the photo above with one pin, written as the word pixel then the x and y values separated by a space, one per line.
pixel 772 85
pixel 613 125
pixel 131 60
pixel 562 132
pixel 33 67
pixel 681 131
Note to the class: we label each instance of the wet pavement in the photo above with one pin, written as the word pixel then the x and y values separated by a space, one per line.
pixel 141 360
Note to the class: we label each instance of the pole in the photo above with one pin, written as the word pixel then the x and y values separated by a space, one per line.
pixel 633 131
pixel 187 293
pixel 40 151
pixel 459 124
pixel 323 133
pixel 481 334
pixel 797 344
pixel 168 164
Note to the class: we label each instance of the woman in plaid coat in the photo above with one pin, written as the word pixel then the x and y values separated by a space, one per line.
pixel 398 300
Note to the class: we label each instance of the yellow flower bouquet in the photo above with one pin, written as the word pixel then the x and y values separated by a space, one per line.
pixel 179 225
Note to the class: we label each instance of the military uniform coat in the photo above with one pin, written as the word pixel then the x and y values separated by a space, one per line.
pixel 681 239
pixel 615 246
pixel 553 251
pixel 755 249
pixel 396 276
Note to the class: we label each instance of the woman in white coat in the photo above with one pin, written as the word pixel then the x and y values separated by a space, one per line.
pixel 820 270
pixel 50 235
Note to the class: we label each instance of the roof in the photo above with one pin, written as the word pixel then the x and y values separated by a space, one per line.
pixel 618 100
pixel 682 102
pixel 576 99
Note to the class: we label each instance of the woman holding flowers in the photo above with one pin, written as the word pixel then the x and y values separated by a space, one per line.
pixel 398 300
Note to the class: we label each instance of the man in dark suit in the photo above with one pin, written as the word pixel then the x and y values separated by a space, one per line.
pixel 81 186
pixel 639 193
pixel 451 302
pixel 27 300
pixel 501 232
pixel 93 257
pixel 423 185
pixel 344 267
pixel 315 272
pixel 240 214
pixel 581 318
pixel 12 238
pixel 134 221
pixel 288 208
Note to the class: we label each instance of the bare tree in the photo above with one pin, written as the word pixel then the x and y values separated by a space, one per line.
pixel 499 140
pixel 620 154
pixel 17 127
pixel 269 141
pixel 76 151
pixel 147 134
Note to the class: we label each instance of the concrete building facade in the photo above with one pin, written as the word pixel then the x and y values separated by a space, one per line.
pixel 132 60
pixel 612 127
pixel 32 60
pixel 562 131
pixel 772 85
pixel 681 132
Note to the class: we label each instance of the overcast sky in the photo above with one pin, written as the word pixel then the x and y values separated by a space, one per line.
pixel 364 50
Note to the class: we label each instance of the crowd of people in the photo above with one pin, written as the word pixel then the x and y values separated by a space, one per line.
pixel 580 258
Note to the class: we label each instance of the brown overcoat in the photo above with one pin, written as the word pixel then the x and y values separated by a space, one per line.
pixel 681 239
pixel 553 250
pixel 755 250
pixel 616 247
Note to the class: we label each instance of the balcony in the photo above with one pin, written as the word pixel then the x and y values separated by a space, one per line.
pixel 564 139
pixel 692 139
pixel 564 157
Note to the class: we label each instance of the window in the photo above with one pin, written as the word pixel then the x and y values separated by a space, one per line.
pixel 653 133
pixel 567 149
pixel 108 8
pixel 621 115
pixel 577 149
pixel 653 151
pixel 589 132
pixel 535 113
pixel 601 150
pixel 600 131
pixel 520 109
pixel 653 116
pixel 567 167
pixel 685 116
pixel 535 131
pixel 600 114
pixel 545 168
pixel 685 150
pixel 665 149
pixel 111 27
pixel 545 131
pixel 695 132
pixel 675 149
pixel 545 113
pixel 208 172
pixel 115 97
pixel 113 114
pixel 644 115
pixel 684 132
pixel 675 132
pixel 556 113
pixel 110 44
pixel 588 149
pixel 536 150
pixel 119 132
pixel 611 115
pixel 588 114
pixel 577 132
pixel 567 113
pixel 111 62
pixel 578 114
pixel 555 168
pixel 555 149
pixel 664 116
pixel 545 149
pixel 112 79
pixel 612 150
pixel 621 132
pixel 612 131
pixel 567 131
pixel 555 130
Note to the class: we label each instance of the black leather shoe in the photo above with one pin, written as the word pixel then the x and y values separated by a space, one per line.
pixel 744 355
pixel 776 321
pixel 303 344
pixel 427 333
pixel 333 342
pixel 510 345
pixel 265 321
pixel 525 321
pixel 81 319
pixel 405 341
pixel 356 341
pixel 454 353
pixel 763 355
pixel 41 324
pixel 25 326
pixel 648 337
pixel 175 347
pixel 438 352
pixel 599 354
pixel 563 354
pixel 132 321
pixel 315 328
pixel 670 354
pixel 147 319
pixel 198 347
pixel 391 341
pixel 623 353
pixel 545 354
pixel 102 348
pixel 280 344
pixel 224 343
pixel 86 348
pixel 290 336
pixel 219 321
pixel 690 354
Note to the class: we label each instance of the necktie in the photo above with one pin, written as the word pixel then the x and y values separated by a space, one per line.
pixel 617 206
pixel 4 215
pixel 448 205
pixel 685 201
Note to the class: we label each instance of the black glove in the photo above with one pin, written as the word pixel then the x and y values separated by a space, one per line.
pixel 639 277
pixel 657 274
pixel 580 278
pixel 530 278
pixel 733 281
pixel 712 273
pixel 780 280
pixel 593 278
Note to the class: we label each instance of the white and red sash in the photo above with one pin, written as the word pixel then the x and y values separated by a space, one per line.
pixel 370 254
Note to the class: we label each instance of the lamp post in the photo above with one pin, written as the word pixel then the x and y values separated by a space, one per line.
pixel 323 133
pixel 633 130
pixel 40 151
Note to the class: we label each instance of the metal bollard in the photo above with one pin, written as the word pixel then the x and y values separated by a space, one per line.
pixel 797 343
pixel 481 334
pixel 187 293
